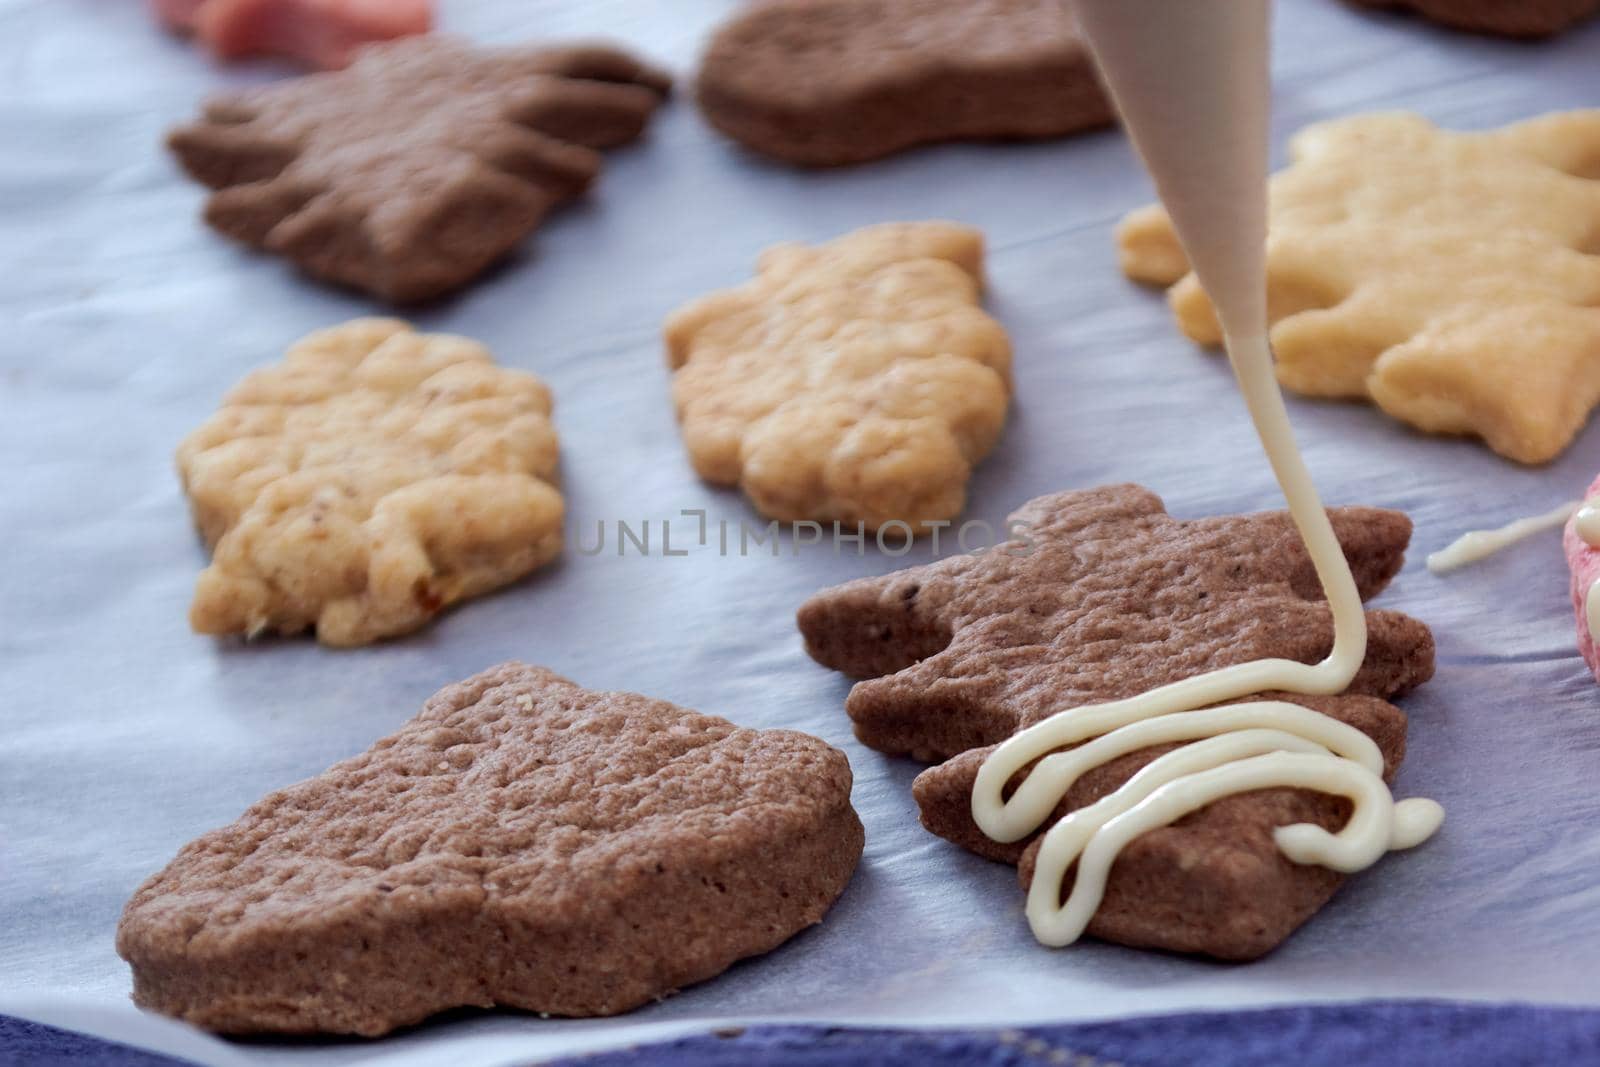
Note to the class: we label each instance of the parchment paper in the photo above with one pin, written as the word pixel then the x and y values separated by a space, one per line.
pixel 125 735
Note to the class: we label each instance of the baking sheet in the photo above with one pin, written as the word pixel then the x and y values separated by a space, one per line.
pixel 124 735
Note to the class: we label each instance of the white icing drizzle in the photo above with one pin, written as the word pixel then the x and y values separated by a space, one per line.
pixel 1190 80
pixel 1475 545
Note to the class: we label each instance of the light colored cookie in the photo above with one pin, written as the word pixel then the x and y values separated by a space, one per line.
pixel 854 381
pixel 372 478
pixel 1454 278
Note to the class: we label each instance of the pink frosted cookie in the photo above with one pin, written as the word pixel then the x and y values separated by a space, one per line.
pixel 1582 543
pixel 321 33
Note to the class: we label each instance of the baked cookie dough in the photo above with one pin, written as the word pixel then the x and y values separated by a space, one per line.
pixel 1452 278
pixel 523 842
pixel 856 381
pixel 1508 18
pixel 370 480
pixel 420 165
pixel 829 82
pixel 1105 597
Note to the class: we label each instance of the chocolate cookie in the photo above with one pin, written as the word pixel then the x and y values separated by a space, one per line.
pixel 424 162
pixel 522 842
pixel 1508 18
pixel 1105 596
pixel 828 82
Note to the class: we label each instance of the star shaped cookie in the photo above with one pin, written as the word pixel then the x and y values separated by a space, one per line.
pixel 421 164
pixel 854 381
pixel 1453 278
pixel 1106 596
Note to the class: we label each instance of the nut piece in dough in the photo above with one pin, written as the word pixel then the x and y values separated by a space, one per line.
pixel 854 381
pixel 374 477
pixel 522 842
pixel 1453 278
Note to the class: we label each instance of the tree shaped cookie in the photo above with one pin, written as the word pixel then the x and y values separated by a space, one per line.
pixel 523 842
pixel 424 162
pixel 368 481
pixel 856 381
pixel 1104 597
pixel 827 82
pixel 1454 278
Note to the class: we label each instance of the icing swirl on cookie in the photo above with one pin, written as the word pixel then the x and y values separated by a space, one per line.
pixel 1193 97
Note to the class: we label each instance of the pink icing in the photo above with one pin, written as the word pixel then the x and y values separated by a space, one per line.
pixel 1584 562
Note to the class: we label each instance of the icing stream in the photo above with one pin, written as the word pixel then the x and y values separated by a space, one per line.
pixel 1190 81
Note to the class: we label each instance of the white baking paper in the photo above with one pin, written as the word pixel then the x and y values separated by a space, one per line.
pixel 123 320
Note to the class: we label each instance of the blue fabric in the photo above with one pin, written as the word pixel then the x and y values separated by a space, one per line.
pixel 25 1044
pixel 1415 1033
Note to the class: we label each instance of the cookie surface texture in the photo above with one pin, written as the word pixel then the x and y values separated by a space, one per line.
pixel 1510 18
pixel 829 82
pixel 523 842
pixel 420 165
pixel 372 478
pixel 854 381
pixel 1112 598
pixel 1453 278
